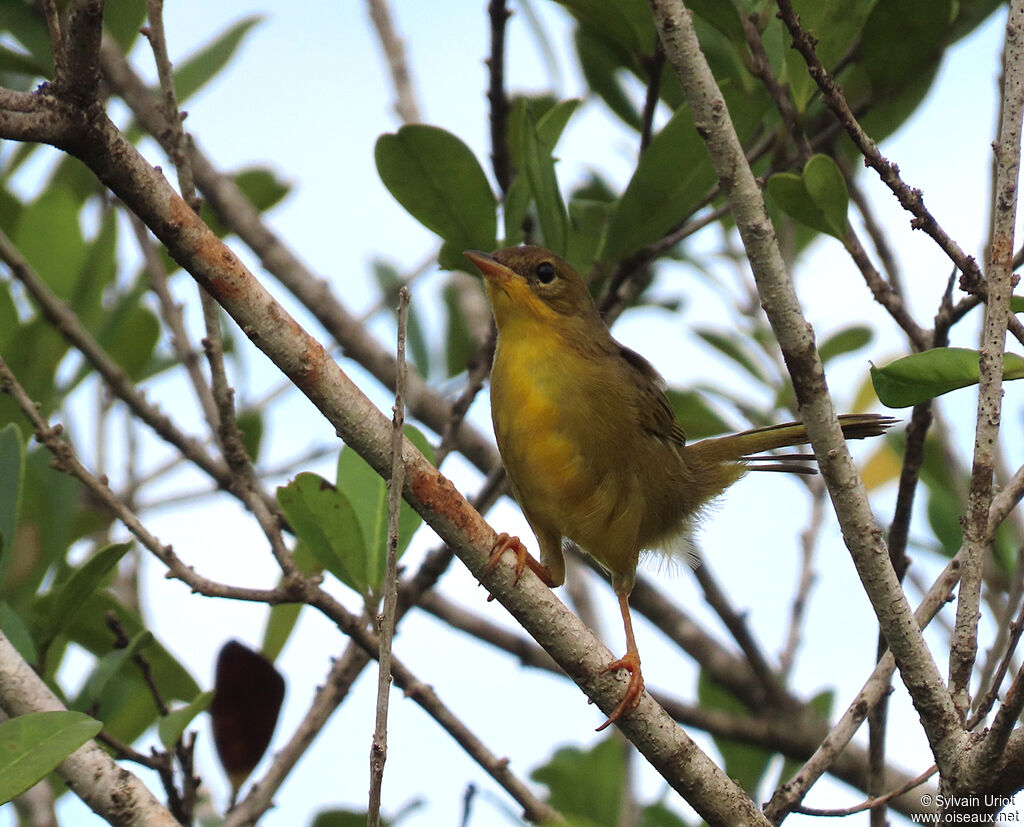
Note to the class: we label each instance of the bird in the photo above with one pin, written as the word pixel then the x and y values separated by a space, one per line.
pixel 593 452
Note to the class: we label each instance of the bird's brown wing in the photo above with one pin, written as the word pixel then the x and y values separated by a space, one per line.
pixel 654 413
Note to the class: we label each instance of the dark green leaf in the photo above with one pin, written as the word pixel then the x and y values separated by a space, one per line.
pixel 459 345
pixel 586 784
pixel 281 620
pixel 733 348
pixel 198 69
pixel 49 237
pixel 436 177
pixel 250 423
pixel 325 521
pixel 845 341
pixel 672 176
pixel 12 472
pixel 626 22
pixel 122 19
pixel 133 341
pixel 822 705
pixel 18 63
pixel 944 510
pixel 744 763
pixel 33 745
pixel 29 29
pixel 8 316
pixel 59 609
pixel 126 707
pixel 724 18
pixel 390 283
pixel 922 376
pixel 345 818
pixel 1016 304
pixel 539 166
pixel 827 189
pixel 817 198
pixel 658 815
pixel 106 668
pixel 552 123
pixel 698 419
pixel 366 490
pixel 174 723
pixel 601 62
pixel 588 220
pixel 17 633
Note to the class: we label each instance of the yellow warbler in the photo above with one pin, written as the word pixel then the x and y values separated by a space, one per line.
pixel 591 446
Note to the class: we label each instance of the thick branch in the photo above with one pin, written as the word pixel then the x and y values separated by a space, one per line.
pixel 796 339
pixel 964 646
pixel 108 788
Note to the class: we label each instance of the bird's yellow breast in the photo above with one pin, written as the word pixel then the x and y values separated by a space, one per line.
pixel 556 423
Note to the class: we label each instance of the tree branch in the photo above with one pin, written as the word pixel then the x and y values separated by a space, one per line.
pixel 795 336
pixel 108 788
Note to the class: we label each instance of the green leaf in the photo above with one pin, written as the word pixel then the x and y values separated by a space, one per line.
pixel 734 349
pixel 539 166
pixel 17 633
pixel 698 419
pixel 459 344
pixel 658 815
pixel 628 23
pixel 919 377
pixel 174 723
pixel 436 177
pixel 49 236
pixel 845 341
pixel 33 745
pixel 122 19
pixel 58 609
pixel 133 341
pixel 29 29
pixel 744 763
pixel 391 283
pixel 671 178
pixel 818 198
pixel 366 490
pixel 1016 304
pixel 281 620
pixel 250 424
pixel 106 668
pixel 197 70
pixel 552 123
pixel 12 472
pixel 602 62
pixel 325 521
pixel 586 784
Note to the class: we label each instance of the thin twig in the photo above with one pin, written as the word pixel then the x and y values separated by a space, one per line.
pixel 501 157
pixel 394 52
pixel 911 200
pixel 876 803
pixel 386 620
pixel 808 544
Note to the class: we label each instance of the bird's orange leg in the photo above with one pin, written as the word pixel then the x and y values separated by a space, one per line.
pixel 631 663
pixel 524 559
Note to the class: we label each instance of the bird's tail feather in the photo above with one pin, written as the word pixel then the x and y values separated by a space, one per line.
pixel 747 445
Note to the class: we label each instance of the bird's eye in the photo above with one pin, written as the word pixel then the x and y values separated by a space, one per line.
pixel 545 272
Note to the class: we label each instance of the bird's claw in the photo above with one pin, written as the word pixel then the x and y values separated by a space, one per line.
pixel 634 690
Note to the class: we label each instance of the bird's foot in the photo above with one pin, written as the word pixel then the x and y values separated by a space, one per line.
pixel 505 542
pixel 634 690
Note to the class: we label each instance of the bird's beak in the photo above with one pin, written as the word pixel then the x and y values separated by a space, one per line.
pixel 496 273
